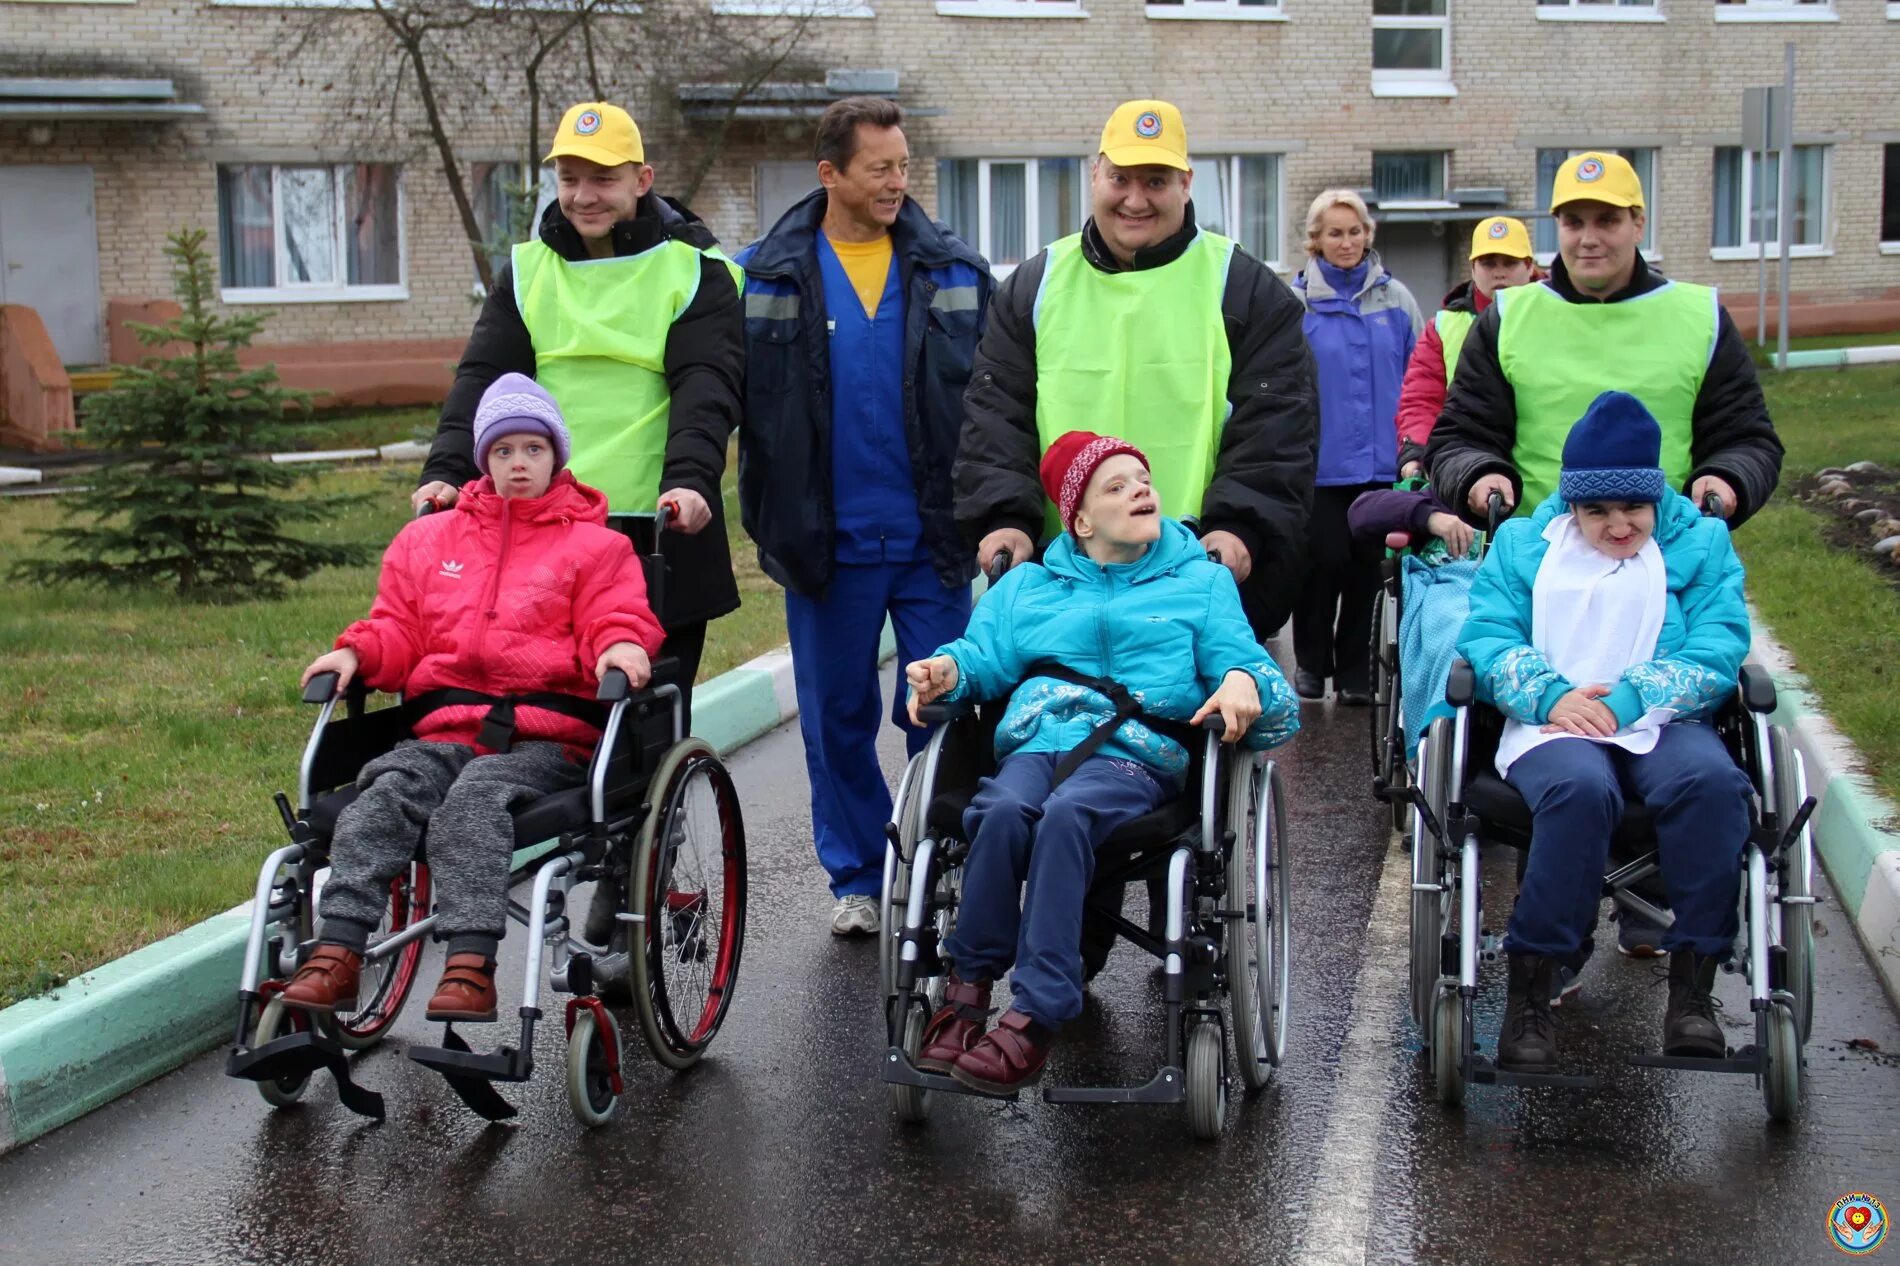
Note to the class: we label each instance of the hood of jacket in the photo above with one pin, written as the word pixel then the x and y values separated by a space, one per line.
pixel 655 219
pixel 787 247
pixel 1175 549
pixel 567 500
pixel 1314 288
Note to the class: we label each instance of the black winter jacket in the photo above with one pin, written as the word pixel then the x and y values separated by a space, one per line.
pixel 705 368
pixel 1732 435
pixel 785 453
pixel 1262 489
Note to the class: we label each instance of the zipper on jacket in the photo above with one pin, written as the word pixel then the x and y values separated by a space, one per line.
pixel 494 586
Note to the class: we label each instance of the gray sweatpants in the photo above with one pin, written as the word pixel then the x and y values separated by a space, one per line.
pixel 464 801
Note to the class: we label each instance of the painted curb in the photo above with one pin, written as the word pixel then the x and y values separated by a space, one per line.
pixel 118 1026
pixel 1856 829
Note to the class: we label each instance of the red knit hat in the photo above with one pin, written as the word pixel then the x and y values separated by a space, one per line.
pixel 1071 461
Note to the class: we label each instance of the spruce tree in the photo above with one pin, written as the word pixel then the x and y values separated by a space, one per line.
pixel 191 501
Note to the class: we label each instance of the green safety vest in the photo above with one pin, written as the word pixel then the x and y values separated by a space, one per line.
pixel 1141 356
pixel 1452 328
pixel 599 330
pixel 1559 356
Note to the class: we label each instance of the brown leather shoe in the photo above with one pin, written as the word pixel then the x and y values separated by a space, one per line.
pixel 1009 1057
pixel 956 1026
pixel 326 982
pixel 467 990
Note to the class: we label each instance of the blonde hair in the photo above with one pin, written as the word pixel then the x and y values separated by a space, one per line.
pixel 1327 200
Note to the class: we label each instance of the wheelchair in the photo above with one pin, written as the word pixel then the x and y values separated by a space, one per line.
pixel 1221 848
pixel 657 823
pixel 1462 804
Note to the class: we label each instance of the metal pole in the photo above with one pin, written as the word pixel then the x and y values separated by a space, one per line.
pixel 1784 226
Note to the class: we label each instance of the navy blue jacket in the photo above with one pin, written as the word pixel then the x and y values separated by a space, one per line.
pixel 785 459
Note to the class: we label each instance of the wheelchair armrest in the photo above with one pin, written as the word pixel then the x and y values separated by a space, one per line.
pixel 941 713
pixel 615 686
pixel 322 688
pixel 1461 688
pixel 1215 724
pixel 1758 689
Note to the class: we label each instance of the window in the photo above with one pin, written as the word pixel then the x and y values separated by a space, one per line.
pixel 793 8
pixel 1010 208
pixel 1740 225
pixel 1239 196
pixel 503 211
pixel 1775 11
pixel 1890 199
pixel 1598 11
pixel 1224 10
pixel 310 233
pixel 1011 8
pixel 1411 48
pixel 1544 228
pixel 1409 177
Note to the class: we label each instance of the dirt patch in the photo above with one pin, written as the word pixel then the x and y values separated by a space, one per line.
pixel 1861 504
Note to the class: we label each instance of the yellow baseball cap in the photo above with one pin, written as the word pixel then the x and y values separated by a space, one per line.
pixel 1141 133
pixel 600 133
pixel 1597 177
pixel 1501 235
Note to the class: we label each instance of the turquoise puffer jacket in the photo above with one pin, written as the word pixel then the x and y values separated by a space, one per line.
pixel 1699 653
pixel 1168 626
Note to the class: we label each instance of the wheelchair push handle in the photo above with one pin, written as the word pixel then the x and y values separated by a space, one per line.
pixel 1000 562
pixel 1495 512
pixel 663 516
pixel 1711 506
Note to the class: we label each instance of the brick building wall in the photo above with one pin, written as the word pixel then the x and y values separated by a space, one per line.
pixel 1000 87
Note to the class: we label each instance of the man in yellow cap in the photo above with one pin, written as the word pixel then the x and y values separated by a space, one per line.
pixel 1501 257
pixel 1603 321
pixel 1148 328
pixel 644 349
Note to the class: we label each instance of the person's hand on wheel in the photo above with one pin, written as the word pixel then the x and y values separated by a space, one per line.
pixel 1233 555
pixel 1720 488
pixel 1480 495
pixel 691 514
pixel 1014 541
pixel 441 494
pixel 342 661
pixel 629 659
pixel 1581 712
pixel 1237 701
pixel 930 679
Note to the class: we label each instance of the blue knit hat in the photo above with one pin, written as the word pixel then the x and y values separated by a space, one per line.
pixel 516 404
pixel 1614 453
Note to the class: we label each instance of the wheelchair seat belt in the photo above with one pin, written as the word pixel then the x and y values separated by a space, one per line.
pixel 498 726
pixel 1127 708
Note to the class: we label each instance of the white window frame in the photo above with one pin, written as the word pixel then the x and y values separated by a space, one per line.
pixel 1015 9
pixel 546 191
pixel 1652 193
pixel 1776 11
pixel 1419 204
pixel 1230 186
pixel 1415 83
pixel 326 291
pixel 1748 248
pixel 1032 203
pixel 793 8
pixel 1599 11
pixel 1893 10
pixel 1218 11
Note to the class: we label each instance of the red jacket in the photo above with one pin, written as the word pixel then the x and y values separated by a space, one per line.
pixel 1422 394
pixel 505 597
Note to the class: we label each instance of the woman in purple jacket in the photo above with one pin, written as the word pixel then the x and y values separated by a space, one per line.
pixel 1361 324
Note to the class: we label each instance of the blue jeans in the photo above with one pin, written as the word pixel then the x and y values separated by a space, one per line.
pixel 1575 790
pixel 1023 833
pixel 834 671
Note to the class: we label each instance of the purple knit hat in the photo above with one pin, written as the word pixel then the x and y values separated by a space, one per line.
pixel 512 405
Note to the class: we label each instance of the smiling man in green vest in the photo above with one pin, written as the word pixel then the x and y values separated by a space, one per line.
pixel 1603 321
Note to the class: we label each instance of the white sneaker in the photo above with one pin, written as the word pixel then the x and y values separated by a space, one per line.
pixel 854 915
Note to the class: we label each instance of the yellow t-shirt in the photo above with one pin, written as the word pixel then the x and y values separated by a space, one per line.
pixel 868 264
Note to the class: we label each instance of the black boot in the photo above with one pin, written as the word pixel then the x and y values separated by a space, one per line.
pixel 1689 1027
pixel 1527 1041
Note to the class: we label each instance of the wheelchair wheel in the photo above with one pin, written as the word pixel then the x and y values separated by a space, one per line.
pixel 1206 1079
pixel 1388 720
pixel 689 887
pixel 590 1090
pixel 1259 949
pixel 896 892
pixel 1448 1040
pixel 912 1103
pixel 1431 911
pixel 1781 1080
pixel 387 981
pixel 1796 880
pixel 274 1022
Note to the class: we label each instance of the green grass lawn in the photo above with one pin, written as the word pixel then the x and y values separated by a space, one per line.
pixel 140 739
pixel 1838 616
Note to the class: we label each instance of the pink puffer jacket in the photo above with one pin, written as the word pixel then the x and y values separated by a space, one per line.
pixel 505 597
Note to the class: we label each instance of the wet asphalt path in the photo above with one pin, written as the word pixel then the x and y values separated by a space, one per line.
pixel 780 1147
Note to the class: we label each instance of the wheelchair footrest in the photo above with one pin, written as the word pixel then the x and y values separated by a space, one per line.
pixel 469 1075
pixel 1486 1073
pixel 299 1055
pixel 1746 1062
pixel 1166 1086
pixel 899 1071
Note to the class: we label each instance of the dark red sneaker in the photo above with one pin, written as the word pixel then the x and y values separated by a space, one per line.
pixel 326 981
pixel 467 991
pixel 956 1026
pixel 1009 1057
